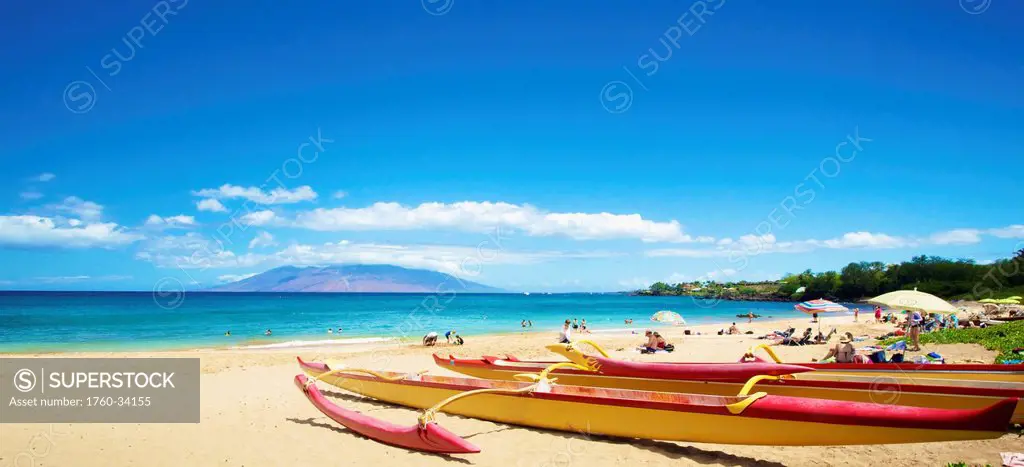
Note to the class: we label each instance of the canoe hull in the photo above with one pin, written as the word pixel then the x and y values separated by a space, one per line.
pixel 924 372
pixel 771 420
pixel 428 438
pixel 868 390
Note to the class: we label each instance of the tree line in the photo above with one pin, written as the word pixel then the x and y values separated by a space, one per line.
pixel 948 278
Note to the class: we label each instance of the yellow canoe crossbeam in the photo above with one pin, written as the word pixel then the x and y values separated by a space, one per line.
pixel 771 353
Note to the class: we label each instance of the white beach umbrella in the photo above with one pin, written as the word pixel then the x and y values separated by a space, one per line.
pixel 914 300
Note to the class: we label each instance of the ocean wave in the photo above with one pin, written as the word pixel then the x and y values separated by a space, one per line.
pixel 601 331
pixel 317 343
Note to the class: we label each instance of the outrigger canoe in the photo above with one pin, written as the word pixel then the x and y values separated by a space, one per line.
pixel 915 371
pixel 748 419
pixel 902 373
pixel 956 395
pixel 733 372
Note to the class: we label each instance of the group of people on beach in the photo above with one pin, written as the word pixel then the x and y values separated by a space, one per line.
pixel 452 337
pixel 655 342
pixel 526 323
pixel 570 325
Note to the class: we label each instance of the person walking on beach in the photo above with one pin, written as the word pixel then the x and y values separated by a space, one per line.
pixel 856 314
pixel 575 324
pixel 878 314
pixel 750 317
pixel 915 330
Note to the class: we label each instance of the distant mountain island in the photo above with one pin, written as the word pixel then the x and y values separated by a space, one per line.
pixel 354 278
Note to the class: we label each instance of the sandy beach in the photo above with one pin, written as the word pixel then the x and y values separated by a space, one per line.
pixel 252 415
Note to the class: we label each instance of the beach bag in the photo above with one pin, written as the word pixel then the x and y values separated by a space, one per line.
pixel 897 358
pixel 669 347
pixel 878 357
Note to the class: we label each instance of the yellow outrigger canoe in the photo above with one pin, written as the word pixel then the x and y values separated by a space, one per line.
pixel 947 394
pixel 748 419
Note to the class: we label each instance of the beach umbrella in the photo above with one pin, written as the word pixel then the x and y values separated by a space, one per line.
pixel 666 316
pixel 1007 301
pixel 914 300
pixel 820 306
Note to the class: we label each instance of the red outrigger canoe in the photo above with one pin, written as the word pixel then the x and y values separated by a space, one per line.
pixel 951 394
pixel 730 372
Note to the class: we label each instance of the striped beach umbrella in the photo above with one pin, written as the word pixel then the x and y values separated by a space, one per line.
pixel 666 316
pixel 820 306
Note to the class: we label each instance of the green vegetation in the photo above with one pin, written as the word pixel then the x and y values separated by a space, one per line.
pixel 1003 338
pixel 962 279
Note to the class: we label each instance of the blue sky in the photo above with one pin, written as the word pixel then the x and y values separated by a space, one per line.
pixel 529 145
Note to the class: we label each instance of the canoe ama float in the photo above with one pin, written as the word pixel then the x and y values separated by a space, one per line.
pixel 757 419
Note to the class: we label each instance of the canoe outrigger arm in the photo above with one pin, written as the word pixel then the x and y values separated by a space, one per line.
pixel 542 384
pixel 749 356
pixel 737 408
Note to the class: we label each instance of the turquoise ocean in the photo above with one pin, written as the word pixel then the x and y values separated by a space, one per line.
pixel 122 321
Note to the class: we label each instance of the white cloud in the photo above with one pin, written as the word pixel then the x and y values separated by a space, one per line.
pixel 197 252
pixel 257 195
pixel 258 218
pixel 179 221
pixel 957 237
pixel 71 279
pixel 676 278
pixel 339 194
pixel 235 277
pixel 753 245
pixel 721 273
pixel 1012 231
pixel 635 283
pixel 30 195
pixel 44 177
pixel 262 239
pixel 87 211
pixel 867 240
pixel 36 231
pixel 210 205
pixel 482 216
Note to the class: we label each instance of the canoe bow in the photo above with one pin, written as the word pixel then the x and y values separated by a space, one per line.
pixel 426 437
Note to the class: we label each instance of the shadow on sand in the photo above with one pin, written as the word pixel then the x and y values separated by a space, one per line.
pixel 340 429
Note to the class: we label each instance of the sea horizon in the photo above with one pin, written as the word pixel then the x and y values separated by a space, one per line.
pixel 75 321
